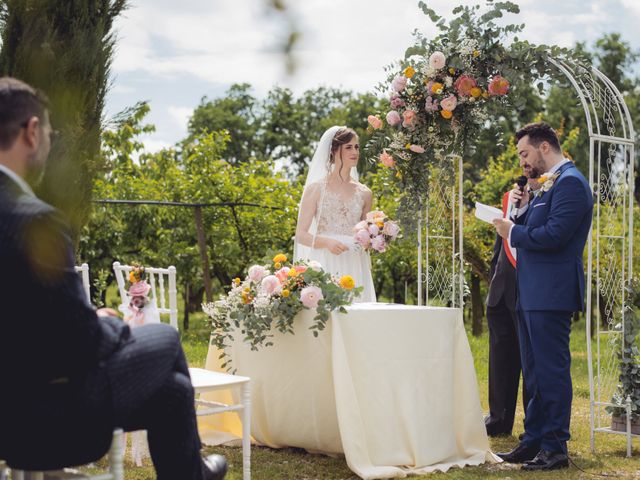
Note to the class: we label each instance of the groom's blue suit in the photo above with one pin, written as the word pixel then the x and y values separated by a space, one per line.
pixel 550 239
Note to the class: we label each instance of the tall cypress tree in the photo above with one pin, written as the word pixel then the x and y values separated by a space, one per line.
pixel 64 48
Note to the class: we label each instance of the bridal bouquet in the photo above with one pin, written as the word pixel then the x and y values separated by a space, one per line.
pixel 272 295
pixel 376 231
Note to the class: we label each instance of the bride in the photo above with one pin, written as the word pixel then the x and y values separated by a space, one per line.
pixel 333 201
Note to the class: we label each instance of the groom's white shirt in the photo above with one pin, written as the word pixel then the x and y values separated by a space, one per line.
pixel 24 186
pixel 521 211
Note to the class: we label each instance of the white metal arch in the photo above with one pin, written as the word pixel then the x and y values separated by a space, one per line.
pixel 610 244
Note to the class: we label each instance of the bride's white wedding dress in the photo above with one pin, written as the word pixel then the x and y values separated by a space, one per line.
pixel 337 218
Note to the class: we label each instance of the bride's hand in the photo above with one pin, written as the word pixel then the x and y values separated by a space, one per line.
pixel 336 247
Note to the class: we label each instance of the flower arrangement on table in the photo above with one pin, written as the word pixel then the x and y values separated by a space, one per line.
pixel 376 231
pixel 272 295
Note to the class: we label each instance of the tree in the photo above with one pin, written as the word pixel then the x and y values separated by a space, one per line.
pixel 65 49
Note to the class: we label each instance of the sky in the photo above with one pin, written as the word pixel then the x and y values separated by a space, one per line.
pixel 174 53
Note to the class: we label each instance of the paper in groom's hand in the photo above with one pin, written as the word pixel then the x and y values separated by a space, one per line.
pixel 486 213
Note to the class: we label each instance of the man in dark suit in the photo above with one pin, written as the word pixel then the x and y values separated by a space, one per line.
pixel 504 351
pixel 70 375
pixel 550 237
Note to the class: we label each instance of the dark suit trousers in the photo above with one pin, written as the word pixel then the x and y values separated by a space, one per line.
pixel 504 367
pixel 546 363
pixel 152 390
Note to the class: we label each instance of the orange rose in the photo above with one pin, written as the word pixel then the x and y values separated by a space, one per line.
pixel 446 114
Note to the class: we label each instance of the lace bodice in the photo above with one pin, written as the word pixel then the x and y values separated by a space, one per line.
pixel 336 214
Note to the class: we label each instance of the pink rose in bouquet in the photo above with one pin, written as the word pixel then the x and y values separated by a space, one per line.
pixel 399 83
pixel 416 148
pixel 393 118
pixel 257 273
pixel 282 274
pixel 271 284
pixel 363 237
pixel 449 103
pixel 310 296
pixel 376 231
pixel 391 228
pixel 378 244
pixel 315 265
pixel 437 60
pixel 396 102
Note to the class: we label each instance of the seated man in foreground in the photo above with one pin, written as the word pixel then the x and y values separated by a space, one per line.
pixel 69 377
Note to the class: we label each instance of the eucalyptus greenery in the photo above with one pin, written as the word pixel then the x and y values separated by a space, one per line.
pixel 629 357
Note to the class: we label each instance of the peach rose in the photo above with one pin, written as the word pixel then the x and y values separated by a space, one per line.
pixel 464 84
pixel 416 148
pixel 387 160
pixel 271 284
pixel 498 85
pixel 409 119
pixel 375 122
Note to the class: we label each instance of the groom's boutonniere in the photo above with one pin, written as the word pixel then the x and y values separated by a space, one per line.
pixel 547 180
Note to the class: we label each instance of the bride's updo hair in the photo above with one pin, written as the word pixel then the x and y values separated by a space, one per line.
pixel 342 137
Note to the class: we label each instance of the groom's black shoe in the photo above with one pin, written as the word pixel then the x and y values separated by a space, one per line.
pixel 547 461
pixel 215 467
pixel 522 453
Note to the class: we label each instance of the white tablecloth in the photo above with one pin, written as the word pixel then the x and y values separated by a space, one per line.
pixel 391 386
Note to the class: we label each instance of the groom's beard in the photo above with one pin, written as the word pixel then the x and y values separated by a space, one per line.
pixel 35 168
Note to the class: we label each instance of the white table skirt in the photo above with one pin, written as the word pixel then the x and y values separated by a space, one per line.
pixel 391 386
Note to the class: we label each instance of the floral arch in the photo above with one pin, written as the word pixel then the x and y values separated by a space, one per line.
pixel 440 96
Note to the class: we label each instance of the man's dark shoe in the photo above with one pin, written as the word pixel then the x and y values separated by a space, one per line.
pixel 495 428
pixel 522 453
pixel 215 467
pixel 547 461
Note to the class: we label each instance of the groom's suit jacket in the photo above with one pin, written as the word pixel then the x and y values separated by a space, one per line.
pixel 55 402
pixel 550 239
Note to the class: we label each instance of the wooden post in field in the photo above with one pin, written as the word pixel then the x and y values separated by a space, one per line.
pixel 202 246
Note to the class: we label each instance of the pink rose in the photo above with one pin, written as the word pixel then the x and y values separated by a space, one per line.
pixel 430 105
pixel 449 103
pixel 271 284
pixel 399 83
pixel 375 216
pixel 391 228
pixel 300 268
pixel 410 119
pixel 315 265
pixel 378 244
pixel 257 273
pixel 282 274
pixel 373 229
pixel 139 289
pixel 464 84
pixel 386 160
pixel 396 102
pixel 393 118
pixel 416 148
pixel 310 296
pixel 363 238
pixel 360 225
pixel 498 85
pixel 375 122
pixel 437 60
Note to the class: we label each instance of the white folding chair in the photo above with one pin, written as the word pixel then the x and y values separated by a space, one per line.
pixel 156 278
pixel 116 467
pixel 83 270
pixel 209 381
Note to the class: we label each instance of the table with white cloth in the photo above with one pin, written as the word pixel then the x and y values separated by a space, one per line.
pixel 393 387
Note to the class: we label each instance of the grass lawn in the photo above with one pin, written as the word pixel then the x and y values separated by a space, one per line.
pixel 610 458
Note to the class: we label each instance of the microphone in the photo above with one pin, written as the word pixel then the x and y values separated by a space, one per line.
pixel 521 181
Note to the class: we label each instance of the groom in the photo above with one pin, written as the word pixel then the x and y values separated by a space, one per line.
pixel 67 376
pixel 549 233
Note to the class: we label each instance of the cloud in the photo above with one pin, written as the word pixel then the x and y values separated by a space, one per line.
pixel 181 116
